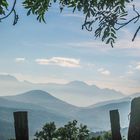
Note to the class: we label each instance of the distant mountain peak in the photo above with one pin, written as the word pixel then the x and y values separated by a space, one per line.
pixel 76 83
pixel 7 77
pixel 35 92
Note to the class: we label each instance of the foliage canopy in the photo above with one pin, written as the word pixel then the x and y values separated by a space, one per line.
pixel 106 16
pixel 70 131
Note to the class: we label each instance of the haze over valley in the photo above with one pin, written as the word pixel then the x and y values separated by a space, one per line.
pixel 44 106
pixel 76 92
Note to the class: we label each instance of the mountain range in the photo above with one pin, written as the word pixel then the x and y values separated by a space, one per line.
pixel 44 106
pixel 70 92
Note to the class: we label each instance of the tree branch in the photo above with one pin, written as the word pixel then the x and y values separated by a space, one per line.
pixel 136 33
pixel 126 23
pixel 12 10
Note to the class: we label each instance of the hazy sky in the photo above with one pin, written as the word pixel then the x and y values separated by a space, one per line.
pixel 60 51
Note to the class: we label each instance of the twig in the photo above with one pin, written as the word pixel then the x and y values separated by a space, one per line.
pixel 136 33
pixel 126 23
pixel 10 11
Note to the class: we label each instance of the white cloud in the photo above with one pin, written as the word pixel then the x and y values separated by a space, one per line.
pixel 104 71
pixel 20 60
pixel 60 61
pixel 138 67
pixel 130 72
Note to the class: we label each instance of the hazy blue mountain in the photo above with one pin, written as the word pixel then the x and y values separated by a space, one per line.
pixel 37 117
pixel 97 118
pixel 8 78
pixel 21 105
pixel 45 100
pixel 86 94
pixel 125 99
pixel 93 116
pixel 43 107
pixel 135 95
pixel 9 85
pixel 76 92
pixel 6 130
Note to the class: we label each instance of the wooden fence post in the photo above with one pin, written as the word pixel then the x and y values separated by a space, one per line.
pixel 21 125
pixel 134 126
pixel 115 125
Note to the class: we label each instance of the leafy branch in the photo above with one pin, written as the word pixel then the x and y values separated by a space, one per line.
pixel 135 19
pixel 105 17
pixel 5 4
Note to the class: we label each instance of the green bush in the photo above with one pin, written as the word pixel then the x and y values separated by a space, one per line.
pixel 70 131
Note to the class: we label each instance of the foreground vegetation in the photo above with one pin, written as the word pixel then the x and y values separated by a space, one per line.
pixel 70 131
pixel 104 17
pixel 73 131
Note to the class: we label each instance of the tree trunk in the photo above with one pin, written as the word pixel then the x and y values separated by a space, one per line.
pixel 134 126
pixel 115 125
pixel 21 125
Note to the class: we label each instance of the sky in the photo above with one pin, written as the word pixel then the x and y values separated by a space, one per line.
pixel 60 51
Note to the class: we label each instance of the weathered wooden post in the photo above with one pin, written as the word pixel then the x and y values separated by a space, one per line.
pixel 134 126
pixel 115 125
pixel 21 125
